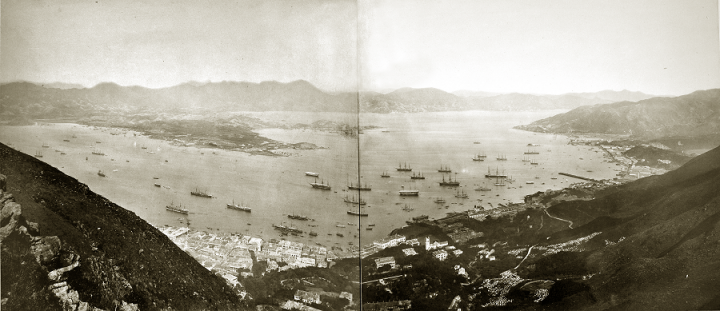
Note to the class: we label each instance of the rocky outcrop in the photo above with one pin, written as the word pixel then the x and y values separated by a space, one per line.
pixel 48 253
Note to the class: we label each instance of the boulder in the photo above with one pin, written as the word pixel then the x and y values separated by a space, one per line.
pixel 3 182
pixel 10 218
pixel 46 249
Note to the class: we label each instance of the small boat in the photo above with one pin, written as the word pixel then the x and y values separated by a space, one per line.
pixel 157 185
pixel 477 157
pixel 312 174
pixel 529 182
pixel 98 152
pixel 66 140
pixel 476 142
pixel 298 217
pixel 313 233
pixel 339 234
pixel 38 154
pixel 368 228
pixel 101 173
pixel 45 145
pixel 340 226
pixel 439 200
pixel 371 225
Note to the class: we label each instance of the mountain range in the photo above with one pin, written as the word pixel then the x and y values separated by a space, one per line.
pixel 694 114
pixel 29 100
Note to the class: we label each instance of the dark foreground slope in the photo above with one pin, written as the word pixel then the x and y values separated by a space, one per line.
pixel 107 257
pixel 668 256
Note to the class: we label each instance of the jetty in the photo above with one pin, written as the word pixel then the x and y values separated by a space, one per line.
pixel 579 177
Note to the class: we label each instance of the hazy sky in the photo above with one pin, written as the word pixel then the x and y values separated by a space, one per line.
pixel 540 46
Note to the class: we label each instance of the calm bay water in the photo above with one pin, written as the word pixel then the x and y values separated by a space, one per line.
pixel 276 186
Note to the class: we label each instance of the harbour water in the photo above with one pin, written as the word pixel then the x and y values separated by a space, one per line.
pixel 277 186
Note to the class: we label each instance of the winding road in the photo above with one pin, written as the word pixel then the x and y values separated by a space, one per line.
pixel 565 220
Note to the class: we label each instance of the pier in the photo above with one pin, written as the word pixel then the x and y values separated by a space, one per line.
pixel 579 177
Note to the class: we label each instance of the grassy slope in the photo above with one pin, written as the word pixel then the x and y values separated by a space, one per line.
pixel 113 243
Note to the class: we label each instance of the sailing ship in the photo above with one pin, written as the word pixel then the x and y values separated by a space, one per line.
pixel 461 195
pixel 500 182
pixel 101 173
pixel 201 194
pixel 98 152
pixel 444 169
pixel 353 201
pixel 176 209
pixel 239 207
pixel 532 152
pixel 501 157
pixel 533 162
pixel 404 168
pixel 418 176
pixel 497 174
pixel 526 159
pixel 286 229
pixel 356 213
pixel 298 217
pixel 385 175
pixel 45 145
pixel 483 188
pixel 450 182
pixel 38 154
pixel 407 208
pixel 313 174
pixel 321 185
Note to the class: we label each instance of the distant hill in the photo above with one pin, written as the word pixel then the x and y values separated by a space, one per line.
pixel 694 114
pixel 66 248
pixel 57 100
pixel 63 86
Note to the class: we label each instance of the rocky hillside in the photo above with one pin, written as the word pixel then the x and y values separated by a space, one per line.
pixel 65 247
pixel 690 115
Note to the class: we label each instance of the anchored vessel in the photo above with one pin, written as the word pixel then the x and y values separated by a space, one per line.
pixel 439 200
pixel 449 182
pixel 502 157
pixel 238 207
pixel 404 168
pixel 287 229
pixel 176 209
pixel 418 176
pixel 409 193
pixel 38 154
pixel 461 195
pixel 356 213
pixel 477 157
pixel 101 173
pixel 320 185
pixel 497 174
pixel 533 162
pixel 201 194
pixel 359 187
pixel 385 174
pixel 312 174
pixel 98 152
pixel 353 201
pixel 444 169
pixel 298 217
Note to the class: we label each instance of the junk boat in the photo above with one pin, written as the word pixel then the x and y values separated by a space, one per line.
pixel 404 168
pixel 239 207
pixel 356 213
pixel 176 209
pixel 298 217
pixel 444 169
pixel 201 194
pixel 312 174
pixel 320 185
pixel 450 182
pixel 359 202
pixel 497 174
pixel 418 176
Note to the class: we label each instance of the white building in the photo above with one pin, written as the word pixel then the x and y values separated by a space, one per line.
pixel 440 255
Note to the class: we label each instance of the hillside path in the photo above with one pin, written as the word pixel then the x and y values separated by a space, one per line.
pixel 565 220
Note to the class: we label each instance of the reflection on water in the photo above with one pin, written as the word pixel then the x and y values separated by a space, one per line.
pixel 277 186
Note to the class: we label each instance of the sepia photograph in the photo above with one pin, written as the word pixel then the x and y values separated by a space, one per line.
pixel 359 155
